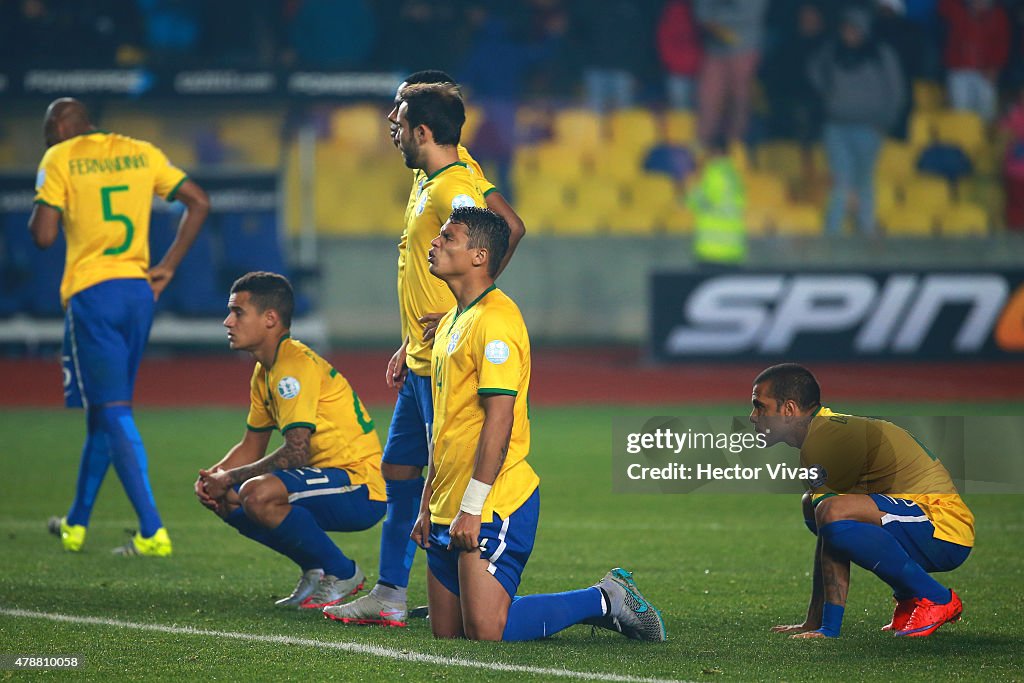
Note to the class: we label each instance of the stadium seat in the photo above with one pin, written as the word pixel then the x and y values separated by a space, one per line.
pixel 195 290
pixel 964 219
pixel 360 129
pixel 137 125
pixel 596 198
pixel 927 195
pixel 908 221
pixel 896 162
pixel 781 159
pixel 677 220
pixel 616 163
pixel 652 190
pixel 16 264
pixel 47 268
pixel 928 96
pixel 577 127
pixel 961 128
pixel 680 127
pixel 760 220
pixel 541 203
pixel 635 128
pixel 629 219
pixel 578 222
pixel 253 137
pixel 888 194
pixel 764 191
pixel 921 129
pixel 251 242
pixel 474 119
pixel 800 220
pixel 559 162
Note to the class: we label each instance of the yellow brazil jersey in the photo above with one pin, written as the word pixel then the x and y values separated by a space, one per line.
pixel 479 351
pixel 103 185
pixel 485 186
pixel 419 292
pixel 865 455
pixel 301 389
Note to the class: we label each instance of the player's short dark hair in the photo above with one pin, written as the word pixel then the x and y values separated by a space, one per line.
pixel 486 230
pixel 429 76
pixel 792 381
pixel 439 107
pixel 268 291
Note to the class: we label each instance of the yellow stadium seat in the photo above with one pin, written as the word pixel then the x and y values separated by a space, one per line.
pixel 141 126
pixel 964 220
pixel 474 119
pixel 632 220
pixel 928 96
pixel 361 128
pixel 654 190
pixel 906 221
pixel 598 198
pixel 677 220
pixel 577 221
pixel 921 129
pixel 760 220
pixel 887 195
pixel 634 128
pixel 764 190
pixel 927 195
pixel 782 159
pixel 255 137
pixel 680 127
pixel 559 162
pixel 961 128
pixel 181 154
pixel 618 163
pixel 577 127
pixel 540 202
pixel 800 220
pixel 896 162
pixel 740 157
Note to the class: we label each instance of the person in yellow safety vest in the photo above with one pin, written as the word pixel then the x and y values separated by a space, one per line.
pixel 717 200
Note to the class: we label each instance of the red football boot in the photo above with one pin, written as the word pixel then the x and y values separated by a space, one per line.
pixel 928 616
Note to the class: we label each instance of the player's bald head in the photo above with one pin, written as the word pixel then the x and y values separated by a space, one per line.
pixel 66 117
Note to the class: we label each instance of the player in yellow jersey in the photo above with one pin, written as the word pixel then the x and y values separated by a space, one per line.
pixel 101 186
pixel 879 498
pixel 481 502
pixel 428 123
pixel 326 474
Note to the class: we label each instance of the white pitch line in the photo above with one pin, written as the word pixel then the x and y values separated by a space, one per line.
pixel 358 648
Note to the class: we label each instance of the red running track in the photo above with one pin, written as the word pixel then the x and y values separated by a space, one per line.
pixel 560 376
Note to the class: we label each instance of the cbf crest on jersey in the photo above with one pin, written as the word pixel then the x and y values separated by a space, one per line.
pixel 421 203
pixel 462 200
pixel 288 387
pixel 453 341
pixel 496 351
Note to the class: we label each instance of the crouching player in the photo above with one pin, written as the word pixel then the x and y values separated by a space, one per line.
pixel 880 499
pixel 326 475
pixel 478 516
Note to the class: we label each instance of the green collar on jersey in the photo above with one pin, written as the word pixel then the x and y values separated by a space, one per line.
pixel 287 335
pixel 473 302
pixel 445 168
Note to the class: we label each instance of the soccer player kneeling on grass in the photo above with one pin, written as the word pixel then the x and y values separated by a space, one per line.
pixel 480 505
pixel 879 498
pixel 326 475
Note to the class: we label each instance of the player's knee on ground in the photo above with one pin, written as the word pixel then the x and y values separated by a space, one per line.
pixel 260 494
pixel 483 627
pixel 393 472
pixel 807 505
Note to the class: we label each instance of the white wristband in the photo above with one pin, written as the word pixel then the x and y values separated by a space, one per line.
pixel 474 497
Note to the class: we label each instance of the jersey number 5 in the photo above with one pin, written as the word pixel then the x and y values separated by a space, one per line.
pixel 109 215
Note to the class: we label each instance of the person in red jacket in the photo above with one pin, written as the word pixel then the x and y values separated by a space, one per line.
pixel 977 47
pixel 679 48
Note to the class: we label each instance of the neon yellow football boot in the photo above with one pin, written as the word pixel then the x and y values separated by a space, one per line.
pixel 72 537
pixel 157 545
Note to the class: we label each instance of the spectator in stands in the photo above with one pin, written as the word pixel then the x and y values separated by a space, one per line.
pixel 332 35
pixel 908 41
pixel 679 47
pixel 733 32
pixel 976 49
pixel 423 32
pixel 614 44
pixel 172 28
pixel 924 15
pixel 862 87
pixel 794 104
pixel 1012 126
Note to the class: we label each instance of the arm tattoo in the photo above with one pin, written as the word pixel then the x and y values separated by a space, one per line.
pixel 294 452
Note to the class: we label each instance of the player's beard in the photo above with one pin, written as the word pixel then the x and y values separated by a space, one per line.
pixel 410 154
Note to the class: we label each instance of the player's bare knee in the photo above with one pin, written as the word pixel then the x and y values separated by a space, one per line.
pixel 259 495
pixel 483 628
pixel 829 510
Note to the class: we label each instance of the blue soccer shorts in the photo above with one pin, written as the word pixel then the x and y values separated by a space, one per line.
pixel 906 521
pixel 106 328
pixel 505 543
pixel 409 435
pixel 328 493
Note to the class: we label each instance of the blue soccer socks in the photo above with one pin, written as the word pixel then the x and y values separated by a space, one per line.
pixel 91 470
pixel 397 551
pixel 878 551
pixel 300 535
pixel 129 458
pixel 539 616
pixel 264 536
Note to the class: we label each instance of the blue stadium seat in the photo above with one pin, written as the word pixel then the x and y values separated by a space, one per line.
pixel 194 290
pixel 44 281
pixel 251 242
pixel 15 263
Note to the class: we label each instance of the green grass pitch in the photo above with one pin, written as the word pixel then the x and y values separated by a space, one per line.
pixel 723 569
